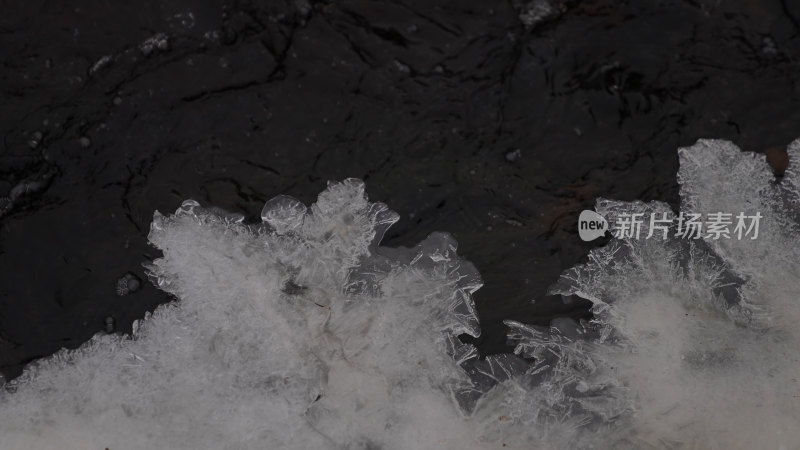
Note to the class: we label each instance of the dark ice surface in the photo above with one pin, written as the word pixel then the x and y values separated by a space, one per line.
pixel 495 121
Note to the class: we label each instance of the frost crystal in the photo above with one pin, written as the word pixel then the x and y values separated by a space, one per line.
pixel 298 332
pixel 693 342
pixel 302 332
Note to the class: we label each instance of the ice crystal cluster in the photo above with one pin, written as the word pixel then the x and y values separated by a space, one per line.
pixel 694 343
pixel 298 332
pixel 302 332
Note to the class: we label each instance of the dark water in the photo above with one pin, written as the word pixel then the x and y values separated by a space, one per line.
pixel 495 121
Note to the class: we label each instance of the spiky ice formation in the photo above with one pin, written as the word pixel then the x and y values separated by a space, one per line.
pixel 694 343
pixel 299 332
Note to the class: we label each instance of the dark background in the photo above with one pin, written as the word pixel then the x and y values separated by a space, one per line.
pixel 495 121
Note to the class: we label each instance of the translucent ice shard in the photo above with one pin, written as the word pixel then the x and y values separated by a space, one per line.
pixel 285 214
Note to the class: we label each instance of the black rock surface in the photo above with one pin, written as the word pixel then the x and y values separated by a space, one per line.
pixel 495 121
